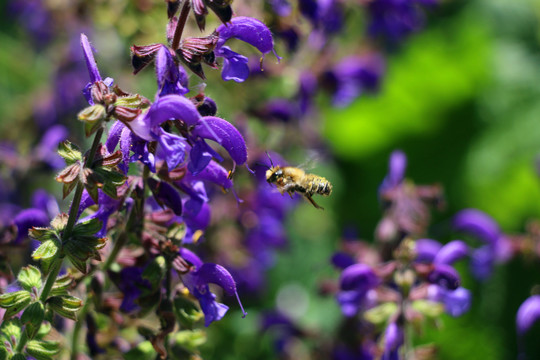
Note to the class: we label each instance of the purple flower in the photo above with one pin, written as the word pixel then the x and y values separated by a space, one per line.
pixel 394 20
pixel 393 337
pixel 171 78
pixel 456 302
pixel 27 219
pixel 326 16
pixel 106 207
pixel 197 281
pixel 355 283
pixel 93 70
pixel 249 30
pixel 46 149
pixel 528 313
pixel 481 226
pixel 396 171
pixel 131 284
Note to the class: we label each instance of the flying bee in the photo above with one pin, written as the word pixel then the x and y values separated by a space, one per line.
pixel 291 179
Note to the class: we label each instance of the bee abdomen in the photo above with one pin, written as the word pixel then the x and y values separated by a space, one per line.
pixel 319 185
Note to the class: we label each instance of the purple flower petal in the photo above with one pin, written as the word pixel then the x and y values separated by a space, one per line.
pixel 451 252
pixel 27 219
pixel 166 194
pixel 191 257
pixel 358 277
pixel 393 337
pixel 444 276
pixel 396 170
pixel 225 134
pixel 426 249
pixel 217 274
pixel 247 29
pixel 165 108
pixel 342 260
pixel 216 174
pixel 482 260
pixel 199 157
pixel 114 136
pixel 90 61
pixel 46 202
pixel 168 75
pixel 478 224
pixel 171 148
pixel 235 66
pixel 528 313
pixel 46 149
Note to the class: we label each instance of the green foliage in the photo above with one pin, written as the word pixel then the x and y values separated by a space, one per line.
pixel 42 350
pixel 30 277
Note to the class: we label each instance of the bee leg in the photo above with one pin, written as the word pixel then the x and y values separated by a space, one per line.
pixel 291 194
pixel 310 199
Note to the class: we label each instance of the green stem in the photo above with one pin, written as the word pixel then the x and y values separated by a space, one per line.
pixel 74 210
pixel 72 218
pixel 77 329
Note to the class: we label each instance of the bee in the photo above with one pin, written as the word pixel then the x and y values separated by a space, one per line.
pixel 291 179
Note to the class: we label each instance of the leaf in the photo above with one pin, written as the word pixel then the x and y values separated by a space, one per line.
pixel 46 250
pixel 190 339
pixel 381 313
pixel 42 350
pixel 30 277
pixel 66 306
pixel 186 312
pixel 61 285
pixel 32 317
pixel 14 302
pixel 69 152
pixel 88 227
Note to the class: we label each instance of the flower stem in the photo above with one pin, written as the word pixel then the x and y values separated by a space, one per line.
pixel 74 210
pixel 181 24
pixel 77 329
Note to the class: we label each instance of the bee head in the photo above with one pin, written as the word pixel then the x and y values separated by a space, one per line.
pixel 273 174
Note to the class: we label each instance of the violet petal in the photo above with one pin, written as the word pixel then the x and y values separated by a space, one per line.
pixel 225 134
pixel 451 252
pixel 527 314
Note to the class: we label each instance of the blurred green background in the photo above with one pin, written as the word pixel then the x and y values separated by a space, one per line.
pixel 461 98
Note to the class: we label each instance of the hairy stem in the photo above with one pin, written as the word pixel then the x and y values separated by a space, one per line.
pixel 181 24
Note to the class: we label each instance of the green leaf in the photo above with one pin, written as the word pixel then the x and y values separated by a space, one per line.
pixel 61 285
pixel 380 314
pixel 430 309
pixel 32 317
pixel 30 277
pixel 47 250
pixel 10 329
pixel 66 305
pixel 15 302
pixel 17 356
pixel 143 351
pixel 190 339
pixel 44 329
pixel 89 227
pixel 93 117
pixel 186 312
pixel 69 152
pixel 42 350
pixel 155 271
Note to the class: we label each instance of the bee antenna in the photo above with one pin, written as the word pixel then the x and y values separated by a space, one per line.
pixel 269 158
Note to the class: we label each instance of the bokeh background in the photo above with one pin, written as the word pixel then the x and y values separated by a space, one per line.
pixel 461 98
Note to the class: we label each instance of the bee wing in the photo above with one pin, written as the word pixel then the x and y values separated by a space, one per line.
pixel 313 157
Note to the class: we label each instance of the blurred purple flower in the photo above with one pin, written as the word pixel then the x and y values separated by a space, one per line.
pixel 481 226
pixel 394 338
pixel 355 283
pixel 396 171
pixel 528 313
pixel 46 149
pixel 456 302
pixel 353 76
pixel 394 20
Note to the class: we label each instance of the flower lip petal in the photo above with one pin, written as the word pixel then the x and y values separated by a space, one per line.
pixel 249 30
pixel 358 277
pixel 444 276
pixel 90 61
pixel 426 249
pixel 225 134
pixel 528 313
pixel 173 107
pixel 191 257
pixel 477 223
pixel 451 252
